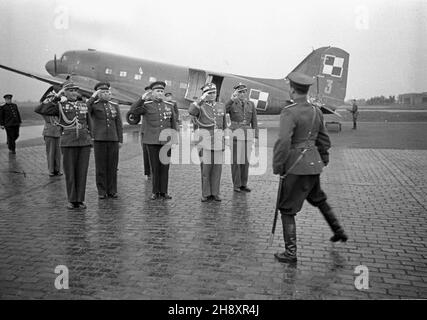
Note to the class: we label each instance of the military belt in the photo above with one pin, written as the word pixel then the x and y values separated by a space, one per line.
pixel 305 144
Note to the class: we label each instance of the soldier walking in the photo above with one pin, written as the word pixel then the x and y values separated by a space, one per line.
pixel 10 120
pixel 211 117
pixel 299 154
pixel 157 115
pixel 107 133
pixel 243 118
pixel 75 140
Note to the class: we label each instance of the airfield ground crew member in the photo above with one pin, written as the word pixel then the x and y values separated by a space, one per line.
pixel 243 116
pixel 107 133
pixel 302 132
pixel 51 135
pixel 10 120
pixel 355 112
pixel 210 116
pixel 75 140
pixel 157 116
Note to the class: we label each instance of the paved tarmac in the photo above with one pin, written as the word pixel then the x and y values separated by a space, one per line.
pixel 184 249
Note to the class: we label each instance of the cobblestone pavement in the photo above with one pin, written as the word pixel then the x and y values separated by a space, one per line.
pixel 184 249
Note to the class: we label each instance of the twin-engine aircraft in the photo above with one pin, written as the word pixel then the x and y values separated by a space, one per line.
pixel 129 76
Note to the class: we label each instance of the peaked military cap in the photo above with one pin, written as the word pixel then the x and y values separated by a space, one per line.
pixel 147 88
pixel 208 87
pixel 8 95
pixel 300 81
pixel 69 85
pixel 157 85
pixel 240 87
pixel 102 86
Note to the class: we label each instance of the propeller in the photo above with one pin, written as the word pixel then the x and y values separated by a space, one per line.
pixel 54 64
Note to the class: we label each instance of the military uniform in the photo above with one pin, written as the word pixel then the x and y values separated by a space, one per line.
pixel 243 118
pixel 300 153
pixel 51 136
pixel 75 142
pixel 157 116
pixel 134 120
pixel 107 133
pixel 210 116
pixel 10 119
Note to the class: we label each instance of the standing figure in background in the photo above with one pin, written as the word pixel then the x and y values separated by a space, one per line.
pixel 51 134
pixel 10 120
pixel 355 113
pixel 107 133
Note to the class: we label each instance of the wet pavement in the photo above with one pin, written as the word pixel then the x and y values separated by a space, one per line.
pixel 135 248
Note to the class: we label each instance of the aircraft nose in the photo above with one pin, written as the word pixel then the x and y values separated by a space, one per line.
pixel 50 67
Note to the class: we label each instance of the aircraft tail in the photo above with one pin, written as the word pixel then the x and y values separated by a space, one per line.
pixel 330 67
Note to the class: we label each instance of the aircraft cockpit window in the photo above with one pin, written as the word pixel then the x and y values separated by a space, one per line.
pixel 108 71
pixel 138 77
pixel 123 73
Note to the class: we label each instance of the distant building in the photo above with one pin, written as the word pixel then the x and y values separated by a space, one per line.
pixel 413 98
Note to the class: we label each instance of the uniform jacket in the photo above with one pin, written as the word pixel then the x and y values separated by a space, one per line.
pixel 106 121
pixel 355 110
pixel 51 129
pixel 9 115
pixel 295 124
pixel 73 119
pixel 242 115
pixel 157 115
pixel 211 117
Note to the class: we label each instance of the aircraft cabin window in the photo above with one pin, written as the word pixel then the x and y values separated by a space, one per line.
pixel 64 58
pixel 123 73
pixel 108 71
pixel 138 77
pixel 152 79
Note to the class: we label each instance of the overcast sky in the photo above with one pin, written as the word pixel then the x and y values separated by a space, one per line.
pixel 387 40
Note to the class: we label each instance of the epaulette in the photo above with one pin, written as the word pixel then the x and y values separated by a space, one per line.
pixel 148 101
pixel 169 102
pixel 291 105
pixel 114 103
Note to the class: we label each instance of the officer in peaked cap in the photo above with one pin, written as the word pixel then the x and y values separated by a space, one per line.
pixel 210 118
pixel 107 133
pixel 158 115
pixel 10 120
pixel 75 139
pixel 299 155
pixel 244 125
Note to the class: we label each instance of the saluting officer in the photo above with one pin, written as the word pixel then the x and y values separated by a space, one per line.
pixel 157 116
pixel 51 135
pixel 107 133
pixel 211 117
pixel 243 118
pixel 75 139
pixel 10 119
pixel 299 155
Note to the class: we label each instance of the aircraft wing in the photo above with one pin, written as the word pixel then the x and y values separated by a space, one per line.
pixel 85 85
pixel 327 110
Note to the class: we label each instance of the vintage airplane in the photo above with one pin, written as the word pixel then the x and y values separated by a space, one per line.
pixel 129 76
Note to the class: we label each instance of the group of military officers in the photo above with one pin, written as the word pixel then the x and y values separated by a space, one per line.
pixel 299 155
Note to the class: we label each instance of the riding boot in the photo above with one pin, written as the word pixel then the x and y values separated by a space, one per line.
pixel 290 237
pixel 328 214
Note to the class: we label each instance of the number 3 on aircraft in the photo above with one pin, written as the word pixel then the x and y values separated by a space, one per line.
pixel 328 87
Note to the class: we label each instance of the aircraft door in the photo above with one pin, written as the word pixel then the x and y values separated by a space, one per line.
pixel 196 80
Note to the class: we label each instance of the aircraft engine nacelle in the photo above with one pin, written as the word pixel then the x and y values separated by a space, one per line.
pixel 132 119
